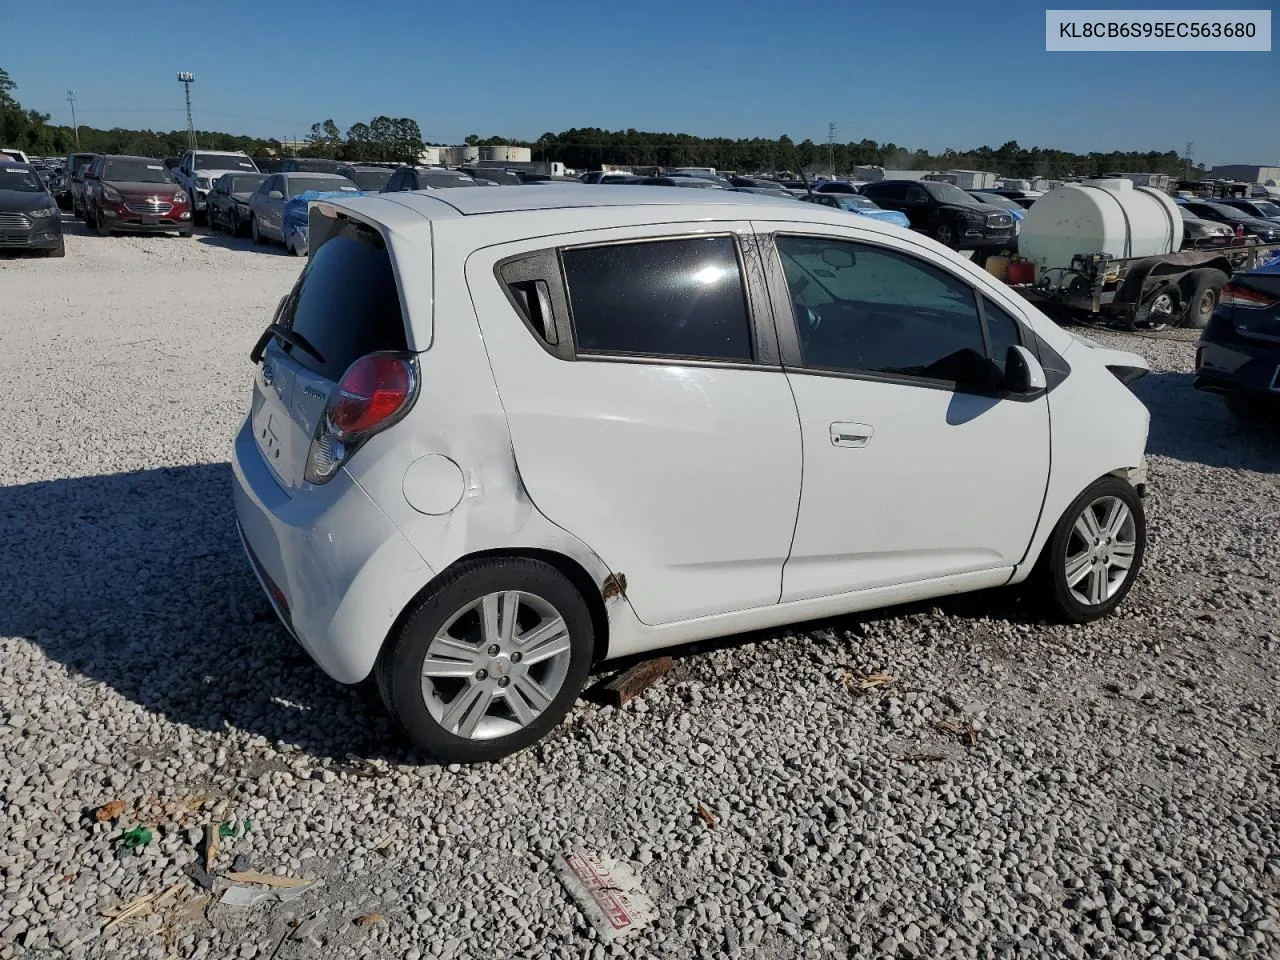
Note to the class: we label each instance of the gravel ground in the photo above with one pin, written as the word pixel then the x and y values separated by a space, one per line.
pixel 1118 795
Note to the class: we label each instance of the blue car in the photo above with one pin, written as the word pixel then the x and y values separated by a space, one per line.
pixel 1239 351
pixel 862 206
pixel 296 223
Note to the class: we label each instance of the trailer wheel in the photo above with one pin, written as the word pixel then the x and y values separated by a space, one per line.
pixel 1204 298
pixel 1161 308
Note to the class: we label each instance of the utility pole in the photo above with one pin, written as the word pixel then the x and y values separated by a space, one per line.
pixel 831 148
pixel 186 78
pixel 71 99
pixel 1186 164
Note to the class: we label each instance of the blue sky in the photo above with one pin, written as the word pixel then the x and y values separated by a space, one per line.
pixel 919 75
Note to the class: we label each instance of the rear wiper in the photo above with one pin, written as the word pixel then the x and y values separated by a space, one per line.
pixel 286 335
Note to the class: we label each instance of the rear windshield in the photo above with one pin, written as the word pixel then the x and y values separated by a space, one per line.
pixel 346 303
pixel 371 180
pixel 299 185
pixel 136 171
pixel 247 183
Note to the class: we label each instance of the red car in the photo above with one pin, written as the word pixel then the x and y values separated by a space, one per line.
pixel 134 193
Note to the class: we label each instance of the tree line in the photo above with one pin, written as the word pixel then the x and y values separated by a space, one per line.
pixel 399 139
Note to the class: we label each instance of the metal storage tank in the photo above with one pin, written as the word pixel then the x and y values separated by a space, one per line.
pixel 505 154
pixel 469 155
pixel 1099 216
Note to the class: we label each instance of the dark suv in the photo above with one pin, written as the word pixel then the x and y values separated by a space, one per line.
pixel 62 188
pixel 946 213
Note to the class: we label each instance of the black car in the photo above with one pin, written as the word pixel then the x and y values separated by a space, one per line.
pixel 228 201
pixel 426 178
pixel 310 165
pixel 1239 351
pixel 366 176
pixel 945 212
pixel 1257 207
pixel 268 164
pixel 1268 231
pixel 76 163
pixel 29 216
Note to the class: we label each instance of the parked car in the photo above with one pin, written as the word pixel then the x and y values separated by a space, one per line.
pixel 844 187
pixel 29 215
pixel 13 155
pixel 1256 207
pixel 696 183
pixel 863 206
pixel 945 212
pixel 134 193
pixel 268 164
pixel 200 169
pixel 77 187
pixel 228 201
pixel 1268 231
pixel 1016 210
pixel 430 482
pixel 297 226
pixel 309 165
pixel 1023 198
pixel 367 177
pixel 266 205
pixel 608 177
pixel 501 178
pixel 768 192
pixel 63 186
pixel 1198 232
pixel 1239 351
pixel 426 178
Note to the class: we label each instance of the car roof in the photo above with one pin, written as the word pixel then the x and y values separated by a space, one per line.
pixel 127 156
pixel 309 174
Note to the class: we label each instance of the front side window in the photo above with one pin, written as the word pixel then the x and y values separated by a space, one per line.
pixel 662 298
pixel 1002 331
pixel 866 309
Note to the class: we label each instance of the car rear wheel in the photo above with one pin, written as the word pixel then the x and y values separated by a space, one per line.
pixel 489 660
pixel 1095 552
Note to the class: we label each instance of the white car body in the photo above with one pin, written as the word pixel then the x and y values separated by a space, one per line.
pixel 700 498
pixel 13 154
pixel 199 170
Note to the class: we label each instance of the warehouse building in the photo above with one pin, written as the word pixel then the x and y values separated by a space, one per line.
pixel 1247 173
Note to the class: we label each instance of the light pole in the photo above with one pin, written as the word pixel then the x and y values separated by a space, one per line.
pixel 186 78
pixel 71 99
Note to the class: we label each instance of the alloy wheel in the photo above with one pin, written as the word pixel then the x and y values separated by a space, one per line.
pixel 496 665
pixel 1100 550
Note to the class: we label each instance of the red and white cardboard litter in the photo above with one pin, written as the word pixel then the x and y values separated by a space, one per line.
pixel 608 891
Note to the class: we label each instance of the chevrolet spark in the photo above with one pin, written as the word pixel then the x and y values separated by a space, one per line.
pixel 498 435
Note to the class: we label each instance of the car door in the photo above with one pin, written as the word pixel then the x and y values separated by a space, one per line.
pixel 914 469
pixel 647 412
pixel 919 207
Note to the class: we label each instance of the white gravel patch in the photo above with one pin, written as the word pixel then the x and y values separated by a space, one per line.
pixel 1120 797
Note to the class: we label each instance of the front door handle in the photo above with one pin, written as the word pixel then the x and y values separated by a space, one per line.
pixel 851 434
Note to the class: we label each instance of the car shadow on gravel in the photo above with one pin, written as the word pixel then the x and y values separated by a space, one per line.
pixel 244 244
pixel 1193 426
pixel 137 581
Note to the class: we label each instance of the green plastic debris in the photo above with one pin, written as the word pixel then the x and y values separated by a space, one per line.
pixel 135 839
pixel 248 825
pixel 228 829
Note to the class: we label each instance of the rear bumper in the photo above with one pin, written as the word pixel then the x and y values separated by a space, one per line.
pixel 337 571
pixel 1238 367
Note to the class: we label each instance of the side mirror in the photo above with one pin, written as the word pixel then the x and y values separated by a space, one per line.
pixel 275 195
pixel 1023 374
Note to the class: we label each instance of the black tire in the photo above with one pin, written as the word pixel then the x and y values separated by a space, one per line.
pixel 1204 298
pixel 212 220
pixel 1161 308
pixel 88 219
pixel 100 224
pixel 236 228
pixel 945 234
pixel 1050 578
pixel 186 232
pixel 399 667
pixel 258 238
pixel 59 251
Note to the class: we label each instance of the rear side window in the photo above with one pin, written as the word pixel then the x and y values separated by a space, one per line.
pixel 664 298
pixel 346 304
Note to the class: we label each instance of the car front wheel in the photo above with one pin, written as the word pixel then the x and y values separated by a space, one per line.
pixel 491 658
pixel 1096 550
pixel 945 235
pixel 253 229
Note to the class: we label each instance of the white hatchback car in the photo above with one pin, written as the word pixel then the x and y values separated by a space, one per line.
pixel 497 435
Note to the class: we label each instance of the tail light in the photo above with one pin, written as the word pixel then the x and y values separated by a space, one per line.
pixel 375 392
pixel 1236 295
pixel 1239 230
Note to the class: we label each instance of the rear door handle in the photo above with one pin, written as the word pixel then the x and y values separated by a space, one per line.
pixel 851 434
